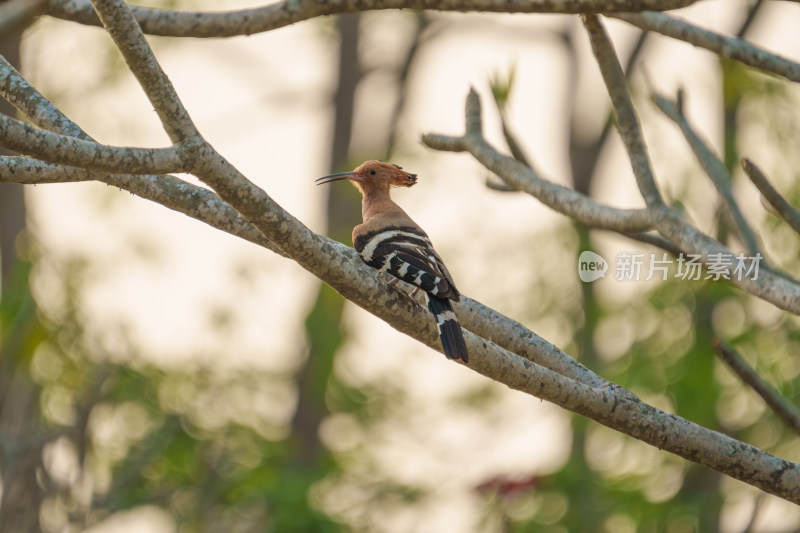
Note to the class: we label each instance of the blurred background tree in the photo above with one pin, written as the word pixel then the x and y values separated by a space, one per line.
pixel 92 431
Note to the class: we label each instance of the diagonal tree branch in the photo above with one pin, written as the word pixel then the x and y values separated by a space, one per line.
pixel 715 169
pixel 780 405
pixel 627 121
pixel 518 153
pixel 157 86
pixel 520 177
pixel 721 45
pixel 249 21
pixel 789 213
pixel 32 104
pixel 769 286
pixel 516 338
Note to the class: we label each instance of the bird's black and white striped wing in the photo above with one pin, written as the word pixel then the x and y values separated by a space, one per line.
pixel 407 253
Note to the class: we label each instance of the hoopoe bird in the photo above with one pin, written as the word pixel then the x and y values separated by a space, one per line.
pixel 391 242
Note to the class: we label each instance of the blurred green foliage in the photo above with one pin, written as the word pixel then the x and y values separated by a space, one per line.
pixel 189 441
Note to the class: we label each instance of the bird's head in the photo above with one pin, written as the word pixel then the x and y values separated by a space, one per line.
pixel 374 174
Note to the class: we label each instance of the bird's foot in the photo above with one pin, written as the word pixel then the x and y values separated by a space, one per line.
pixel 399 288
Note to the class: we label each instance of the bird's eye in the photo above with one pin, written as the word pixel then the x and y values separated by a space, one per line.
pixel 372 172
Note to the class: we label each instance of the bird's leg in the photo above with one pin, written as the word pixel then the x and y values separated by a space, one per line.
pixel 392 282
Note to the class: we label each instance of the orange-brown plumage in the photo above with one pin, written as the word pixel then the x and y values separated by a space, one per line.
pixel 390 241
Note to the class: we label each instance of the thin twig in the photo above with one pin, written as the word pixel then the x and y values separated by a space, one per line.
pixel 500 93
pixel 789 412
pixel 784 209
pixel 517 152
pixel 714 168
pixel 655 240
pixel 627 121
pixel 421 36
pixel 500 186
pixel 752 13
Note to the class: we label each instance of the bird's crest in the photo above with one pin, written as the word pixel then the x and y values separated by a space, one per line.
pixel 401 178
pixel 394 174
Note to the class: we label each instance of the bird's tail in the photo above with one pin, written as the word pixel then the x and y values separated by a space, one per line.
pixel 449 329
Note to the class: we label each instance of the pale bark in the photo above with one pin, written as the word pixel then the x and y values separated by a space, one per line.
pixel 273 16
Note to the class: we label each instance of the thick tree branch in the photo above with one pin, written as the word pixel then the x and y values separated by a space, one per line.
pixel 784 209
pixel 715 169
pixel 32 104
pixel 516 338
pixel 776 289
pixel 29 171
pixel 249 21
pixel 721 45
pixel 63 149
pixel 627 120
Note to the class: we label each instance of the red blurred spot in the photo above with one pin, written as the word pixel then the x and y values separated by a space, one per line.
pixel 507 487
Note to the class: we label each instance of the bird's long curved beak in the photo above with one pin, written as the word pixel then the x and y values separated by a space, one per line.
pixel 330 178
